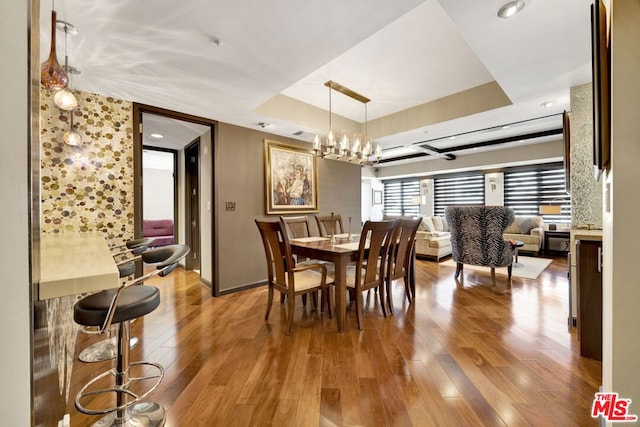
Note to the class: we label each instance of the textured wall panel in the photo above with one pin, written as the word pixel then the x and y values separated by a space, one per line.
pixel 586 192
pixel 89 187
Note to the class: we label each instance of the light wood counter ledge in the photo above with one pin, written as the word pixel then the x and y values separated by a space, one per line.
pixel 75 263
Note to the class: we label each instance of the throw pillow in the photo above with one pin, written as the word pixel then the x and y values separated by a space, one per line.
pixel 437 222
pixel 526 225
pixel 445 224
pixel 428 224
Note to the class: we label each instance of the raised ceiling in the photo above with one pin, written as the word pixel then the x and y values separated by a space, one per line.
pixel 431 68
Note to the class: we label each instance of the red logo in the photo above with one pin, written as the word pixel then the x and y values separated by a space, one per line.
pixel 612 408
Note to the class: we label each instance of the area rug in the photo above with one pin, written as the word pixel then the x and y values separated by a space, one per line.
pixel 527 267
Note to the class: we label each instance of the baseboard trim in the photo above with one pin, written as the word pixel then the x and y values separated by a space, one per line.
pixel 243 288
pixel 206 282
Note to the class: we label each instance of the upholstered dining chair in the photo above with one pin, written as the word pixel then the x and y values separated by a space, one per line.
pixel 369 270
pixel 401 257
pixel 325 225
pixel 287 278
pixel 477 237
pixel 299 227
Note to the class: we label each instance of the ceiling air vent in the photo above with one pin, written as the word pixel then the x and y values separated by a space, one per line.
pixel 300 132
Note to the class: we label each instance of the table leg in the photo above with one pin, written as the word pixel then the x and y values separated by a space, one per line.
pixel 341 289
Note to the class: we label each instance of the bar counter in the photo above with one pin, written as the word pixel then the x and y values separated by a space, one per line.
pixel 75 263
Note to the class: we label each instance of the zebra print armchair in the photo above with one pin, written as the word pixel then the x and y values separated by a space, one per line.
pixel 476 237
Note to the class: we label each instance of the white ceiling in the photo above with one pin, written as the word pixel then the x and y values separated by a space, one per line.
pixel 401 54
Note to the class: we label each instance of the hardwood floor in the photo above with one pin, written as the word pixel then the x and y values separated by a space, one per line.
pixel 460 356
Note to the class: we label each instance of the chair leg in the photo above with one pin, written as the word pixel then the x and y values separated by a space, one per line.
pixel 407 290
pixel 382 299
pixel 270 302
pixel 510 269
pixel 291 305
pixel 493 277
pixel 304 300
pixel 359 309
pixel 389 284
pixel 282 298
pixel 459 267
pixel 325 297
pixel 314 300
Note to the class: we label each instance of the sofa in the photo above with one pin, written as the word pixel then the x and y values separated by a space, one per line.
pixel 161 230
pixel 433 238
pixel 528 230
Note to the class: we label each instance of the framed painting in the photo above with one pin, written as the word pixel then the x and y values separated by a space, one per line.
pixel 377 197
pixel 291 179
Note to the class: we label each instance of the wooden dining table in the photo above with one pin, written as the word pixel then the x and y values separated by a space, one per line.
pixel 340 253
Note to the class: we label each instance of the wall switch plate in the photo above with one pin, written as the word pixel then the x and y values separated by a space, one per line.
pixel 230 206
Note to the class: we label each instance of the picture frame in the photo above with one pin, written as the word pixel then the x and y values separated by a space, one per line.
pixel 377 197
pixel 291 179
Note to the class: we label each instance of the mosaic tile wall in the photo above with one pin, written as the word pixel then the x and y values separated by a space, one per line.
pixel 89 187
pixel 586 192
pixel 83 188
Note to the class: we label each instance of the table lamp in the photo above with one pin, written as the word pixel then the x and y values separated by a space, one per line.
pixel 550 210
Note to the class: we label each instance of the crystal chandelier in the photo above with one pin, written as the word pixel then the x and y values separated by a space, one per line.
pixel 355 149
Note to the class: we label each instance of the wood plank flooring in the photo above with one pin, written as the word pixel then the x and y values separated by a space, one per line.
pixel 462 355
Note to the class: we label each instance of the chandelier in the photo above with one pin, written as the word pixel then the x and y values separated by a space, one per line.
pixel 355 148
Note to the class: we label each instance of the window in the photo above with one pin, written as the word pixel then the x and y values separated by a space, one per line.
pixel 526 189
pixel 458 190
pixel 397 197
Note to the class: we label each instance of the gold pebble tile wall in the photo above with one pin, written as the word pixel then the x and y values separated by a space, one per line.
pixel 88 187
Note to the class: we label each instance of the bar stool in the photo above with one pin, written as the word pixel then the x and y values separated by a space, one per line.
pixel 119 306
pixel 106 348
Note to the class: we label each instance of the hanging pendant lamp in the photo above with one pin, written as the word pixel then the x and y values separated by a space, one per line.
pixel 71 137
pixel 64 98
pixel 52 74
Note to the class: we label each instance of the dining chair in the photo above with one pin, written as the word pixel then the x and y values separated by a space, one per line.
pixel 287 278
pixel 325 225
pixel 401 257
pixel 369 271
pixel 298 227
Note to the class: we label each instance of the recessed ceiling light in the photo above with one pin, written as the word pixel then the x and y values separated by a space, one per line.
pixel 156 136
pixel 452 137
pixel 506 127
pixel 511 8
pixel 548 104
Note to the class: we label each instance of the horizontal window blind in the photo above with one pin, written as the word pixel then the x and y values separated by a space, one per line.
pixel 526 190
pixel 457 190
pixel 397 197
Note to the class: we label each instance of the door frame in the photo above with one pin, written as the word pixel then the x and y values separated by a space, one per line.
pixel 175 184
pixel 138 110
pixel 189 213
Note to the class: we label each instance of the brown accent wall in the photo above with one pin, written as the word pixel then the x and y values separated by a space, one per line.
pixel 239 169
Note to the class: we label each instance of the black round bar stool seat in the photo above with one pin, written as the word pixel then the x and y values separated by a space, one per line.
pixel 135 301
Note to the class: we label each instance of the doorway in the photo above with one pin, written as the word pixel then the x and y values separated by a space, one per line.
pixel 184 134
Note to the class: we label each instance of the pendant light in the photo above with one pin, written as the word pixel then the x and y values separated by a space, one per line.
pixel 52 75
pixel 71 137
pixel 64 98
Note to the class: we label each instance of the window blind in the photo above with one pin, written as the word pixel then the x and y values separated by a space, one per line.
pixel 397 197
pixel 457 190
pixel 525 190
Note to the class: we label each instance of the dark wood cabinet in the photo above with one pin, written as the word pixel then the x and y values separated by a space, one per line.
pixel 589 288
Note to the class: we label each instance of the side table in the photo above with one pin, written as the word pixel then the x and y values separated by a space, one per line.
pixel 556 234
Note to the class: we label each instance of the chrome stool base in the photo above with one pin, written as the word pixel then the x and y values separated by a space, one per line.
pixel 142 414
pixel 103 350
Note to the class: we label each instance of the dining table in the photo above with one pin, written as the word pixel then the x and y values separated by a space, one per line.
pixel 341 251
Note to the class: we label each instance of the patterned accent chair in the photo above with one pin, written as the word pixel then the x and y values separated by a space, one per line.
pixel 477 237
